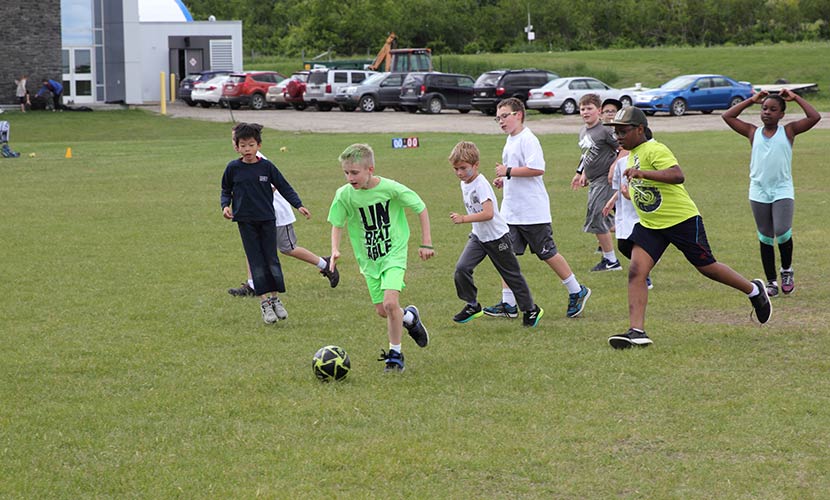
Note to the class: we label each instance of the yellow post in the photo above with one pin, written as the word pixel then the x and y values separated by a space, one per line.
pixel 163 99
pixel 172 88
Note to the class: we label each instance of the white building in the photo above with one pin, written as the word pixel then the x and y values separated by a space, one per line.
pixel 115 50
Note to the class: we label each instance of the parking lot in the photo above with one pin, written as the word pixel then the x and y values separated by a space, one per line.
pixel 474 122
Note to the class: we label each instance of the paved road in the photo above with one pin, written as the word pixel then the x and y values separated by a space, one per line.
pixel 474 122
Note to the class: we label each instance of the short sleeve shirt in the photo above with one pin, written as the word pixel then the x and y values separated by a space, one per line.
pixel 525 199
pixel 599 151
pixel 376 222
pixel 475 194
pixel 659 205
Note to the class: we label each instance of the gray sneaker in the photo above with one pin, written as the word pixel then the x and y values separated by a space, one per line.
pixel 279 309
pixel 787 282
pixel 268 314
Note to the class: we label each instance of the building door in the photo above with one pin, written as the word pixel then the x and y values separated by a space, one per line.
pixel 77 76
pixel 193 61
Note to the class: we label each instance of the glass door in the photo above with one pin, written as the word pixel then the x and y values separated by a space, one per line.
pixel 77 76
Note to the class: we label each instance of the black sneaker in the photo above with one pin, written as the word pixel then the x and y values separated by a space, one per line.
pixel 607 265
pixel 772 288
pixel 760 303
pixel 468 313
pixel 502 310
pixel 417 330
pixel 531 318
pixel 787 282
pixel 394 361
pixel 631 338
pixel 243 291
pixel 333 276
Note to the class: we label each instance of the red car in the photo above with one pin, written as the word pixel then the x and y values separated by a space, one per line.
pixel 249 88
pixel 295 89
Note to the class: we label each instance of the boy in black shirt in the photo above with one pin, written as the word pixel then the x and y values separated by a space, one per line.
pixel 246 185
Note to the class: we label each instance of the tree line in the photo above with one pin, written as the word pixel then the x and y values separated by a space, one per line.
pixel 359 27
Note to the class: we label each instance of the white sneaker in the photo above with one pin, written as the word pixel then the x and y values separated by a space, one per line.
pixel 279 309
pixel 268 314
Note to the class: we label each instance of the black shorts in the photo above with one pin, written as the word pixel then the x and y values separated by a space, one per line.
pixel 688 236
pixel 539 237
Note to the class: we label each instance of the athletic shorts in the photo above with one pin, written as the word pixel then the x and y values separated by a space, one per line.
pixel 286 239
pixel 688 236
pixel 599 192
pixel 539 237
pixel 390 279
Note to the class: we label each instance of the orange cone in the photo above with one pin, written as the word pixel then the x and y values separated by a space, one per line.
pixel 68 153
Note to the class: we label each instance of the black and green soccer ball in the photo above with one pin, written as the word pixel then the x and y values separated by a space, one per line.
pixel 331 363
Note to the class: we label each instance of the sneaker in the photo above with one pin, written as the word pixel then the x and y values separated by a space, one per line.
pixel 607 265
pixel 333 276
pixel 394 361
pixel 268 314
pixel 417 330
pixel 760 303
pixel 502 310
pixel 243 291
pixel 787 282
pixel 468 313
pixel 649 284
pixel 531 318
pixel 772 288
pixel 576 301
pixel 279 309
pixel 630 338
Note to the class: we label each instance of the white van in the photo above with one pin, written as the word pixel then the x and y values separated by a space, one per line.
pixel 323 84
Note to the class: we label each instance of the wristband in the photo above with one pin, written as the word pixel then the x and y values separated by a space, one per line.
pixel 428 247
pixel 507 173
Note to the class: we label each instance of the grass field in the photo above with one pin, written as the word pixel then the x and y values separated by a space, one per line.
pixel 128 371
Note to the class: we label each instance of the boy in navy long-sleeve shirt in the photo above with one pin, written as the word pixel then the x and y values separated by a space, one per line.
pixel 246 186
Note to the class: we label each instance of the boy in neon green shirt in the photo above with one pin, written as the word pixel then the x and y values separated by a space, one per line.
pixel 372 209
pixel 667 216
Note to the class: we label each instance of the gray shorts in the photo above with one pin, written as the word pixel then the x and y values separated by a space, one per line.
pixel 599 192
pixel 539 237
pixel 286 239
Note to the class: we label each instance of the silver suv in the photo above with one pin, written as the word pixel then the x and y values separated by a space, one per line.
pixel 323 84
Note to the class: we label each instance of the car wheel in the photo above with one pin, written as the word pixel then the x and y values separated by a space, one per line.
pixel 434 106
pixel 706 111
pixel 258 102
pixel 299 106
pixel 203 104
pixel 368 103
pixel 569 107
pixel 189 102
pixel 735 100
pixel 346 108
pixel 294 89
pixel 625 100
pixel 323 107
pixel 678 107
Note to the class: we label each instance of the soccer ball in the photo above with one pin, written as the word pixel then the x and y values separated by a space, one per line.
pixel 331 363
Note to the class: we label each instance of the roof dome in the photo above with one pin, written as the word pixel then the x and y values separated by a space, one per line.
pixel 163 11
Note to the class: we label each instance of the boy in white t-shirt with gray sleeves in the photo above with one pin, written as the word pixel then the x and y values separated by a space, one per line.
pixel 526 208
pixel 490 237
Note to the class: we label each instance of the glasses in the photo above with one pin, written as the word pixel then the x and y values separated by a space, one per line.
pixel 504 116
pixel 609 111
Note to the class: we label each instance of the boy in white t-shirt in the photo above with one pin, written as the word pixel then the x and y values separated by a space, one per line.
pixel 490 237
pixel 526 208
pixel 287 245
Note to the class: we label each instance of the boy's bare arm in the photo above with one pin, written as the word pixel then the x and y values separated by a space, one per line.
pixel 730 116
pixel 483 216
pixel 336 235
pixel 502 171
pixel 425 250
pixel 804 124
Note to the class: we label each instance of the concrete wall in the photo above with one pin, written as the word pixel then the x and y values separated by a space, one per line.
pixel 31 44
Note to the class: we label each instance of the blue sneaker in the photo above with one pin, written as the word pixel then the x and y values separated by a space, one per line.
pixel 649 284
pixel 417 330
pixel 502 310
pixel 576 301
pixel 394 361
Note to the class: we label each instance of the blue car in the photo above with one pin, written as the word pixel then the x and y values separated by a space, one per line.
pixel 704 93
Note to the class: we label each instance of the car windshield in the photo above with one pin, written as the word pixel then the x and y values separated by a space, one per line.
pixel 681 82
pixel 374 79
pixel 488 79
pixel 555 84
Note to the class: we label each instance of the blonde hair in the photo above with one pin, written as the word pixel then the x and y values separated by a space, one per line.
pixel 464 152
pixel 358 154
